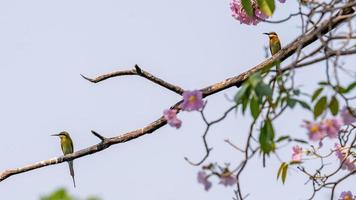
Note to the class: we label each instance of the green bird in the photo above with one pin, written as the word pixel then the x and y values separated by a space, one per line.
pixel 274 42
pixel 274 46
pixel 67 148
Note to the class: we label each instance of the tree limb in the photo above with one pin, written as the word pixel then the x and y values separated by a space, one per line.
pixel 138 72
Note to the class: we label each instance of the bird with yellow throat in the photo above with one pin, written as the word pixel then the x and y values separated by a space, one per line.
pixel 274 45
pixel 67 148
pixel 274 42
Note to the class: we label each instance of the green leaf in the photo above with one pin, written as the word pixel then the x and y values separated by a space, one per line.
pixel 266 137
pixel 282 138
pixel 340 89
pixel 255 79
pixel 280 169
pixel 266 6
pixel 323 83
pixel 60 194
pixel 320 106
pixel 284 173
pixel 244 104
pixel 304 104
pixel 291 102
pixel 241 93
pixel 247 6
pixel 270 130
pixel 350 87
pixel 300 141
pixel 265 148
pixel 263 89
pixel 334 105
pixel 316 93
pixel 254 107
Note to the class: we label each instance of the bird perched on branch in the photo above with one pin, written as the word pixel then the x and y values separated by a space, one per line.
pixel 274 42
pixel 274 46
pixel 67 148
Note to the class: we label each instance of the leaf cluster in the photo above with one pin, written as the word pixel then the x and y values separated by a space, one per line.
pixel 62 194
pixel 266 6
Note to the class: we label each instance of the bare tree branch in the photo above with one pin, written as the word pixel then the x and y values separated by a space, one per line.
pixel 138 72
pixel 102 138
pixel 207 128
pixel 316 60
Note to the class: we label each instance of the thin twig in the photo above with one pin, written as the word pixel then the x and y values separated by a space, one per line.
pixel 102 138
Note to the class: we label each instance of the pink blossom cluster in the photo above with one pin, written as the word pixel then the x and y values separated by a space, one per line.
pixel 341 154
pixel 326 128
pixel 240 14
pixel 192 101
pixel 203 179
pixel 297 154
pixel 171 116
pixel 226 178
pixel 329 127
pixel 347 117
pixel 346 196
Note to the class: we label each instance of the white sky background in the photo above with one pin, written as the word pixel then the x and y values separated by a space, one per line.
pixel 46 45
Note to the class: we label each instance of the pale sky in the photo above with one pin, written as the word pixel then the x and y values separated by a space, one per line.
pixel 46 45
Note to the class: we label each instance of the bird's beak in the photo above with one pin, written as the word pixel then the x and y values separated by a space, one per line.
pixel 266 33
pixel 55 135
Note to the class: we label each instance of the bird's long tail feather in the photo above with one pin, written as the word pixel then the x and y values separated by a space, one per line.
pixel 71 169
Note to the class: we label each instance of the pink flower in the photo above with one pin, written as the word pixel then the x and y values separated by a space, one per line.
pixel 171 117
pixel 192 100
pixel 332 127
pixel 316 132
pixel 227 178
pixel 203 179
pixel 346 196
pixel 297 153
pixel 240 14
pixel 347 117
pixel 341 155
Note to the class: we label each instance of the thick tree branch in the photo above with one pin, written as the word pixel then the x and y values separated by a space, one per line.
pixel 290 49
